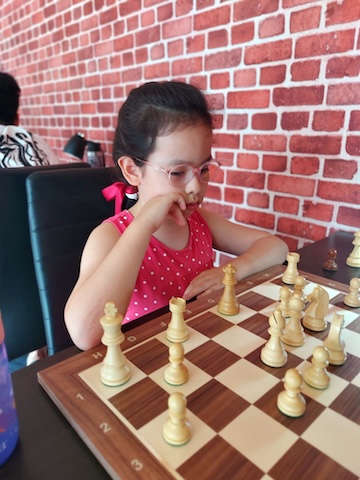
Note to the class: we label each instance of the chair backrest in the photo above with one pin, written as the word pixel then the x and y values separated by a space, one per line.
pixel 63 210
pixel 19 297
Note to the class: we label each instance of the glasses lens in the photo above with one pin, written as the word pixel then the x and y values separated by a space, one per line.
pixel 208 171
pixel 182 174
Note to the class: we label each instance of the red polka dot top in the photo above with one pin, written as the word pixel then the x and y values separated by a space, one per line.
pixel 164 272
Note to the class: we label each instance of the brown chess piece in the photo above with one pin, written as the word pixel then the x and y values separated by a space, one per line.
pixel 330 263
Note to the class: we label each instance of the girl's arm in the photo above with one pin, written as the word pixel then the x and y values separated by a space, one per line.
pixel 108 271
pixel 254 251
pixel 110 265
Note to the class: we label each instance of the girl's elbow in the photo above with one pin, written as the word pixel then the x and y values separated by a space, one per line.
pixel 78 335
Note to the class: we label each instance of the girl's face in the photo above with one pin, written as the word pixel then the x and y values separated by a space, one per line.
pixel 186 145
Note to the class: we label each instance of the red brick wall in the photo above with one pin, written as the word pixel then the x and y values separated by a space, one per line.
pixel 282 78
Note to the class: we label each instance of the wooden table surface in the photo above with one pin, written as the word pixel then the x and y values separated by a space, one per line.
pixel 312 257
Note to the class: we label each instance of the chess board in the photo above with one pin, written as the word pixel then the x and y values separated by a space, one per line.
pixel 237 430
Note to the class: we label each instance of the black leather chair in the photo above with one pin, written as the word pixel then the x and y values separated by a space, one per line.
pixel 64 207
pixel 19 297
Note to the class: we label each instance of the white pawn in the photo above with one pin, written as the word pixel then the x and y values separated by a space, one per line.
pixel 273 353
pixel 285 294
pixel 294 333
pixel 115 369
pixel 352 299
pixel 177 429
pixel 176 373
pixel 334 341
pixel 353 259
pixel 291 271
pixel 177 330
pixel 299 286
pixel 290 401
pixel 317 376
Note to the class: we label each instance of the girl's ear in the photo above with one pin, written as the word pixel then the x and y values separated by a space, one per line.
pixel 131 172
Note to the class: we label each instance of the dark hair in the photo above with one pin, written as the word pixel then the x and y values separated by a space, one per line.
pixel 9 99
pixel 153 109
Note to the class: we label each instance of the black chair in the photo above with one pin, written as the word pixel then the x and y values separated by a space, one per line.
pixel 19 297
pixel 63 209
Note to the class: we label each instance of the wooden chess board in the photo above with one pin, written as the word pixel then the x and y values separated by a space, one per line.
pixel 238 431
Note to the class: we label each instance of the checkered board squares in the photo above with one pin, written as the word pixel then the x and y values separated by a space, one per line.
pixel 237 430
pixel 232 397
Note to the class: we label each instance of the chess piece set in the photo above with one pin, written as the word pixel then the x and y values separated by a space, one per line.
pixel 177 428
pixel 286 327
pixel 115 369
pixel 353 260
pixel 291 277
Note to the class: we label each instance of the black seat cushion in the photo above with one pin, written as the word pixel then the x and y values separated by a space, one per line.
pixel 63 210
pixel 19 298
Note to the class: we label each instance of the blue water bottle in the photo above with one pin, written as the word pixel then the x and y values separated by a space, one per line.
pixel 9 432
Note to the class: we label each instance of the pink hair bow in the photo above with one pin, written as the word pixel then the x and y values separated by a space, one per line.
pixel 117 191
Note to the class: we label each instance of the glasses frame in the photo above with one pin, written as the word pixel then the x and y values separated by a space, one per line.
pixel 195 170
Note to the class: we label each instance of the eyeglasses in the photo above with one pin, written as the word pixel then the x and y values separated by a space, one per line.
pixel 180 175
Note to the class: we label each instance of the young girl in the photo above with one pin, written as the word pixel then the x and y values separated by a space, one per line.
pixel 163 245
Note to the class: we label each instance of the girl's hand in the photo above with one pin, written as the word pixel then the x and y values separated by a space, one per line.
pixel 158 209
pixel 205 283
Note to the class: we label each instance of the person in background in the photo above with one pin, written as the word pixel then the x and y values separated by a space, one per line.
pixel 162 246
pixel 18 147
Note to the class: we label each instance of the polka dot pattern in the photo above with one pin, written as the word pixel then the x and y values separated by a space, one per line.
pixel 165 272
